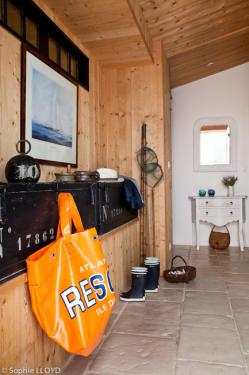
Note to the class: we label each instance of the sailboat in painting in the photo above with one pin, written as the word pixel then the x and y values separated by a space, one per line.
pixel 51 111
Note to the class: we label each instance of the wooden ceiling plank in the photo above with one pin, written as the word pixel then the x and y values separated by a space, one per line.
pixel 188 15
pixel 175 46
pixel 168 7
pixel 142 26
pixel 225 54
pixel 210 21
pixel 115 50
pixel 108 34
pixel 179 81
pixel 99 18
pixel 215 54
pixel 185 49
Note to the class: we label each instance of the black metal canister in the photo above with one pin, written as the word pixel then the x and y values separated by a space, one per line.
pixel 22 167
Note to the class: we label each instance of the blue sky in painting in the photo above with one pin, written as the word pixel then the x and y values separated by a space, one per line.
pixel 52 104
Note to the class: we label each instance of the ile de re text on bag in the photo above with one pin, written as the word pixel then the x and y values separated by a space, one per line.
pixel 70 288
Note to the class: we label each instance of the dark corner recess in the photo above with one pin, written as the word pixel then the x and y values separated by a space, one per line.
pixel 29 216
pixel 33 27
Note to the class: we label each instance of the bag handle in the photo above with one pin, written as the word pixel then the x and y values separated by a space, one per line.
pixel 225 226
pixel 178 256
pixel 68 214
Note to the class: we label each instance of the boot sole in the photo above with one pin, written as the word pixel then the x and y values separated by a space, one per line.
pixel 151 290
pixel 132 299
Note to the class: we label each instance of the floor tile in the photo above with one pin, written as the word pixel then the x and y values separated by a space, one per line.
pixel 236 267
pixel 209 284
pixel 236 258
pixel 240 278
pixel 76 366
pixel 208 320
pixel 242 321
pixel 152 309
pixel 238 290
pixel 164 295
pixel 111 322
pixel 119 305
pixel 204 260
pixel 165 284
pixel 240 304
pixel 130 323
pixel 206 303
pixel 204 250
pixel 135 355
pixel 210 344
pixel 200 368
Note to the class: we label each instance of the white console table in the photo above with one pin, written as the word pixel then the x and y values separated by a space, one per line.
pixel 218 211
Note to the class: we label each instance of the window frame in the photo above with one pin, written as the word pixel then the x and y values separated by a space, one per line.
pixel 232 166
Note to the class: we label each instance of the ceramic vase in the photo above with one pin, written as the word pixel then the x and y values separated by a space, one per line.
pixel 230 191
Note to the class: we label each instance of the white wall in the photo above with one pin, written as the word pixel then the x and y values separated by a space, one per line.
pixel 225 94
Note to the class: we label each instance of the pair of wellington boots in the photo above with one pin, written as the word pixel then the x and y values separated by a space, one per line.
pixel 144 280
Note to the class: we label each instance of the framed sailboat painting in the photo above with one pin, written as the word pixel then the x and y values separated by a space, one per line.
pixel 49 110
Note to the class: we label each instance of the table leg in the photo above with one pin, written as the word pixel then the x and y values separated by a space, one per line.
pixel 241 236
pixel 243 233
pixel 197 235
pixel 193 234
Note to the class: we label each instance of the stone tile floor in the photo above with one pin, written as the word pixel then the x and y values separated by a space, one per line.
pixel 199 328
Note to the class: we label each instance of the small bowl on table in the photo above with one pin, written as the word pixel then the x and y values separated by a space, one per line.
pixel 202 193
pixel 211 192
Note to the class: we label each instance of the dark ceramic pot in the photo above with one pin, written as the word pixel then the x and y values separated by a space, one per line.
pixel 22 167
pixel 211 192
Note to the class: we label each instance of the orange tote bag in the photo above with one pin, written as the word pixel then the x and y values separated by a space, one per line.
pixel 70 288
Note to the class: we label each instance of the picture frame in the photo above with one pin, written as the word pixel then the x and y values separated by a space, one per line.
pixel 49 110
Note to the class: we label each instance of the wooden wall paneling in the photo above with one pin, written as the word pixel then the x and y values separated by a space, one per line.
pixel 94 112
pixel 121 251
pixel 10 74
pixel 115 141
pixel 147 105
pixel 131 94
pixel 86 154
pixel 24 344
pixel 124 147
pixel 168 160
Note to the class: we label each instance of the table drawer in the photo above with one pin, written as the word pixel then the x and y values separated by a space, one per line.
pixel 220 203
pixel 222 212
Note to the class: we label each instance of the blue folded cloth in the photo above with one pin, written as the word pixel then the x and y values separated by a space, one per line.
pixel 132 196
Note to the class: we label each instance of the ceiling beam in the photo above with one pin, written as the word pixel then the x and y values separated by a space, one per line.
pixel 142 25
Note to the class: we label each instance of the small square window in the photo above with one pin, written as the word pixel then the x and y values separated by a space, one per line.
pixel 73 67
pixel 14 18
pixel 64 59
pixel 53 50
pixel 31 32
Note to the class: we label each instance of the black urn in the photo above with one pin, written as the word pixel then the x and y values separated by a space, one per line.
pixel 22 167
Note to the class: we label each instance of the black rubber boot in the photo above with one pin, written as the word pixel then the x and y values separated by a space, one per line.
pixel 137 291
pixel 153 266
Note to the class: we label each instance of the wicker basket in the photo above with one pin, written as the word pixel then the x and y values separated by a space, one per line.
pixel 181 274
pixel 219 240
